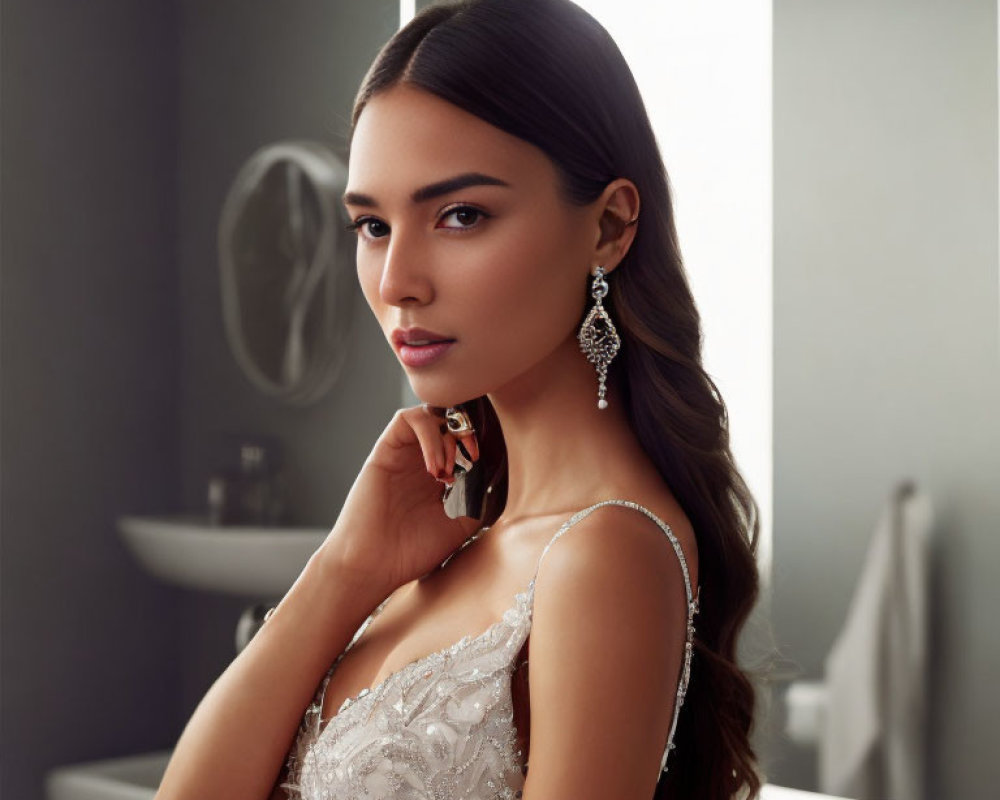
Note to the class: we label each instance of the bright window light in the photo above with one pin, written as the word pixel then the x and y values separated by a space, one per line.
pixel 704 70
pixel 407 10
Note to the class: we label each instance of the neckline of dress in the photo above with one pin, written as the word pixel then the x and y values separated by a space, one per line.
pixel 466 641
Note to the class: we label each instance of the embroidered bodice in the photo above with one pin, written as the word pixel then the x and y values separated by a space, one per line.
pixel 441 727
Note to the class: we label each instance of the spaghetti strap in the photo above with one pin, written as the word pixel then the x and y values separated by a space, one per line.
pixel 579 515
pixel 464 690
pixel 692 601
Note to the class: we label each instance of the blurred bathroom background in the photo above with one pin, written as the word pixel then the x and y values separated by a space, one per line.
pixel 123 124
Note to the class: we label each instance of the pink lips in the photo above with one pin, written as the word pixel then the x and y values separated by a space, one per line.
pixel 419 347
pixel 424 354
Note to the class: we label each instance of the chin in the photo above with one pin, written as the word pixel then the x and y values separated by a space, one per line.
pixel 441 397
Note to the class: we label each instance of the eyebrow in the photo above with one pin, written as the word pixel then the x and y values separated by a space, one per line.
pixel 432 190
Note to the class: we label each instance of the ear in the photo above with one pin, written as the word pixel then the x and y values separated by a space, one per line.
pixel 616 214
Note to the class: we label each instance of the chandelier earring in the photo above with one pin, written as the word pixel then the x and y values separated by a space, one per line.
pixel 598 337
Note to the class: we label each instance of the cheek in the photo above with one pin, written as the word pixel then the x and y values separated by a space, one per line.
pixel 526 284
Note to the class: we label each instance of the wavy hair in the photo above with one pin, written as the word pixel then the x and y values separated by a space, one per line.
pixel 547 72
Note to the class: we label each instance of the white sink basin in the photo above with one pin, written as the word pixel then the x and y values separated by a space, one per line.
pixel 128 778
pixel 233 559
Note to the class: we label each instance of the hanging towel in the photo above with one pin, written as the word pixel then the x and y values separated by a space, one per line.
pixel 872 747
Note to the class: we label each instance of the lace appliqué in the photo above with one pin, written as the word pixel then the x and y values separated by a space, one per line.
pixel 441 727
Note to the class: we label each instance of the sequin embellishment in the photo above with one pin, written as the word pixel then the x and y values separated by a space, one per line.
pixel 441 727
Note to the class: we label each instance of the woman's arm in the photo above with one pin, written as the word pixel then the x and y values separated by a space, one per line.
pixel 607 641
pixel 235 743
pixel 391 526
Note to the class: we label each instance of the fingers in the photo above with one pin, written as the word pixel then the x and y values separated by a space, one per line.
pixel 460 426
pixel 439 446
pixel 450 453
pixel 471 446
pixel 424 427
pixel 433 410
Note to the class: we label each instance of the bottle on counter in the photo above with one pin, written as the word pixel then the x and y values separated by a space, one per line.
pixel 249 495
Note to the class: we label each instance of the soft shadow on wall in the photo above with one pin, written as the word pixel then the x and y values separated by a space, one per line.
pixel 885 332
pixel 123 125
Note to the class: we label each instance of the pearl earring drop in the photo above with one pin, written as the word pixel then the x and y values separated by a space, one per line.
pixel 598 337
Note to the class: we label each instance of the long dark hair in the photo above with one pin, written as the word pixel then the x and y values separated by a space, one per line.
pixel 547 72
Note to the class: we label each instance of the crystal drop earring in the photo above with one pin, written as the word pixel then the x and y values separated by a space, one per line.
pixel 599 340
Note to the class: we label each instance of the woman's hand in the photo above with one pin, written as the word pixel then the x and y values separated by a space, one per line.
pixel 392 527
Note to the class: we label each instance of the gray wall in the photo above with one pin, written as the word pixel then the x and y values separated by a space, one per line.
pixel 123 125
pixel 88 377
pixel 253 73
pixel 886 334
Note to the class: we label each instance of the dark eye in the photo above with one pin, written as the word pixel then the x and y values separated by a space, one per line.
pixel 464 216
pixel 369 227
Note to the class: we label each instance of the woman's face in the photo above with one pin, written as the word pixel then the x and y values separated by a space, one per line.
pixel 462 231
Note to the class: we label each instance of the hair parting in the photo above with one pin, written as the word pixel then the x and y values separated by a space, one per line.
pixel 547 72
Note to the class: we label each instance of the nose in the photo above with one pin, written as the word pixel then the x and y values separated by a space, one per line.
pixel 405 279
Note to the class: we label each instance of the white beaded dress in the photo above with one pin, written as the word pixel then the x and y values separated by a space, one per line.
pixel 441 727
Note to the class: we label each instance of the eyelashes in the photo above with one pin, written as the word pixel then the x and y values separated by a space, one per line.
pixel 358 227
pixel 467 216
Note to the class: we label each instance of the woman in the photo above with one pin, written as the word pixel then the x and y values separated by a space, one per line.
pixel 507 193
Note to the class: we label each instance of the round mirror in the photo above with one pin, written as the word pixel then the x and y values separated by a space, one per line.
pixel 287 270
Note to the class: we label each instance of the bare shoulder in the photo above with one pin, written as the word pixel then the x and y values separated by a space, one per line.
pixel 613 582
pixel 621 544
pixel 607 638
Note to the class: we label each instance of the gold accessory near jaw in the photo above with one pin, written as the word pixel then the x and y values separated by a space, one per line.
pixel 458 423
